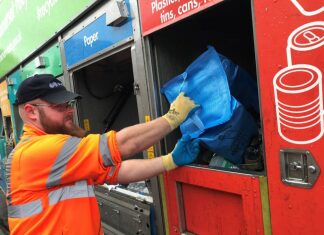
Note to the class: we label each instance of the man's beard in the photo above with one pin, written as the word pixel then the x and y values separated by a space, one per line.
pixel 51 127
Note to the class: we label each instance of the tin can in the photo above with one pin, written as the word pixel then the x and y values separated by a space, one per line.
pixel 306 45
pixel 309 8
pixel 299 103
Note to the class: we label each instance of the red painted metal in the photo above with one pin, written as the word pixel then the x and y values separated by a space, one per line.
pixel 157 14
pixel 213 202
pixel 290 52
pixel 289 39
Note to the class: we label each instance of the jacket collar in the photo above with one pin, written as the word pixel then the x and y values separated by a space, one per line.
pixel 30 130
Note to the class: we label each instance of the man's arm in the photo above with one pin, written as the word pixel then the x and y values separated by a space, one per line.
pixel 139 169
pixel 185 152
pixel 137 138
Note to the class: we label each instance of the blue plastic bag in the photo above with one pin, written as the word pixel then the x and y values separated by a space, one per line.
pixel 221 123
pixel 230 139
pixel 206 83
pixel 241 85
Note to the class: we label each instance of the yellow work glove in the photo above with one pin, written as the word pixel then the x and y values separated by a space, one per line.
pixel 179 110
pixel 168 162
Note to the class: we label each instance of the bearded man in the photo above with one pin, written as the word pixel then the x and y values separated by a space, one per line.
pixel 53 168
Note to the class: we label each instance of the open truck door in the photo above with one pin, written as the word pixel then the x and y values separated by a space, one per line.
pixel 290 55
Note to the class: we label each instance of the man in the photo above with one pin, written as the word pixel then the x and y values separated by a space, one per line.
pixel 52 170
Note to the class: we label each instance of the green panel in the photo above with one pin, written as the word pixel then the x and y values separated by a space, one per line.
pixel 1 124
pixel 2 148
pixel 26 25
pixel 53 64
pixel 14 81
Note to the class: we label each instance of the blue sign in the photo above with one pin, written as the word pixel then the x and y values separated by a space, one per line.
pixel 96 37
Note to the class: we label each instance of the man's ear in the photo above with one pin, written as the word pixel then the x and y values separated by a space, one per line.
pixel 31 112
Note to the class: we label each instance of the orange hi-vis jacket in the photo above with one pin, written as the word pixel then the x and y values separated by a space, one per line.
pixel 50 182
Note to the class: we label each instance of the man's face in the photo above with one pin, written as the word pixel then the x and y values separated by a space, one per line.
pixel 57 119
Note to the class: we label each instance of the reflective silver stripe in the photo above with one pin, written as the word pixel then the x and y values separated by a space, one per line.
pixel 8 174
pixel 62 159
pixel 79 190
pixel 104 150
pixel 8 168
pixel 25 210
pixel 112 171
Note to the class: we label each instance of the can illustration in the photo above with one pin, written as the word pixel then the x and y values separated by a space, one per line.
pixel 309 8
pixel 306 45
pixel 299 103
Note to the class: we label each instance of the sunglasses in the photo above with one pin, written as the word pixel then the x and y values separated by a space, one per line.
pixel 59 107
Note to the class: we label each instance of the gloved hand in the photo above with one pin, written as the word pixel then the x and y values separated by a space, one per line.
pixel 185 152
pixel 179 110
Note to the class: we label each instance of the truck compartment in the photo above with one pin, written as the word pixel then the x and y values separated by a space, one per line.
pixel 212 185
pixel 228 28
pixel 109 103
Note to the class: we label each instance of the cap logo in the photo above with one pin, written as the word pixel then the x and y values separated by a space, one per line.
pixel 55 84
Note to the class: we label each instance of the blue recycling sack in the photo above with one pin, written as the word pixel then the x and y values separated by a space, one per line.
pixel 241 85
pixel 206 83
pixel 231 139
pixel 221 122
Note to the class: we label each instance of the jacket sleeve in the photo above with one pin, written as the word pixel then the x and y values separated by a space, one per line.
pixel 54 160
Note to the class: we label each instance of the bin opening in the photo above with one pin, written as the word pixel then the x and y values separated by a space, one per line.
pixel 228 28
pixel 108 102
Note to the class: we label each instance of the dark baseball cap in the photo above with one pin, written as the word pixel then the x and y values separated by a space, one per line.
pixel 46 87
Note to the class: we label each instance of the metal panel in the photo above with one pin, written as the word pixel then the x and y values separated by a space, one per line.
pixel 168 52
pixel 117 210
pixel 94 38
pixel 206 202
pixel 142 78
pixel 290 45
pixel 139 72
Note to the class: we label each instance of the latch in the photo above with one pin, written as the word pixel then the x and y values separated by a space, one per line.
pixel 298 168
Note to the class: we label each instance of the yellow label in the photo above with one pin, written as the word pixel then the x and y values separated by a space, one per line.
pixel 150 150
pixel 86 124
pixel 4 101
